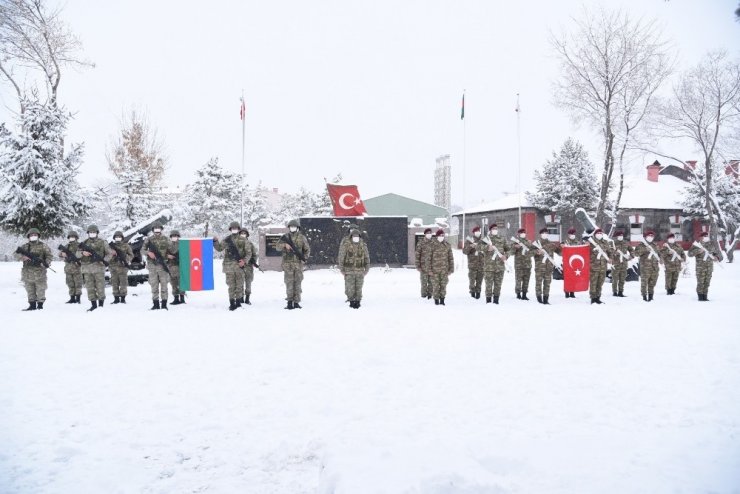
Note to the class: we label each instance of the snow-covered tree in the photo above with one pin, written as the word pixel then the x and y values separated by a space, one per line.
pixel 566 182
pixel 38 182
pixel 213 198
pixel 302 203
pixel 256 210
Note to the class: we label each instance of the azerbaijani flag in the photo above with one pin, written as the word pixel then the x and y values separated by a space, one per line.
pixel 196 264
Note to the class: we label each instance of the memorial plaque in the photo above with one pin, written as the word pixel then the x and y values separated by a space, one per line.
pixel 271 240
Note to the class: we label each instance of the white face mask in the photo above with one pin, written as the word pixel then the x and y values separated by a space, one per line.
pixel 705 239
pixel 522 235
pixel 243 235
pixel 428 236
pixel 92 234
pixel 620 237
pixel 571 236
pixel 72 239
pixel 599 236
pixel 494 232
pixel 441 238
pixel 356 239
pixel 293 229
pixel 235 232
pixel 33 238
pixel 118 239
pixel 174 239
pixel 543 236
pixel 477 234
pixel 649 239
pixel 671 240
pixel 157 231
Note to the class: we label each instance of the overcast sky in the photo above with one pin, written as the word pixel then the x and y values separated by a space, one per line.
pixel 370 89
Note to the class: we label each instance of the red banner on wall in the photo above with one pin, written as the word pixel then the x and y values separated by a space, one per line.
pixel 576 268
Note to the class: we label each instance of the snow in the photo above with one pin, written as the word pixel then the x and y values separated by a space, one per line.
pixel 640 193
pixel 399 396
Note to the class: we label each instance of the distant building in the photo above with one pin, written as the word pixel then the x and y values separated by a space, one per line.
pixel 443 182
pixel 397 205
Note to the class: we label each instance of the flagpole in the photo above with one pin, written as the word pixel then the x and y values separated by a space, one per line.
pixel 462 231
pixel 244 120
pixel 519 157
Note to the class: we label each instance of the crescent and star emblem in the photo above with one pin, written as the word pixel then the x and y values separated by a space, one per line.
pixel 195 264
pixel 342 204
pixel 580 258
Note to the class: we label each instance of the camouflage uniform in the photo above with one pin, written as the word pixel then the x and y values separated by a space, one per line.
pixel 292 266
pixel 33 274
pixel 118 269
pixel 572 242
pixel 234 262
pixel 423 264
pixel 672 264
pixel 599 263
pixel 93 272
pixel 475 266
pixel 442 266
pixel 249 269
pixel 620 263
pixel 522 266
pixel 354 263
pixel 158 276
pixel 72 271
pixel 494 266
pixel 706 254
pixel 173 262
pixel 543 269
pixel 649 269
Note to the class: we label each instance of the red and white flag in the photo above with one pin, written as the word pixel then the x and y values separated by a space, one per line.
pixel 345 199
pixel 576 267
pixel 242 109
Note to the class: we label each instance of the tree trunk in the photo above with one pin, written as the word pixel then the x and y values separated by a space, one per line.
pixel 606 176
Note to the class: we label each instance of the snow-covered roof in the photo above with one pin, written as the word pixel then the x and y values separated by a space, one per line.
pixel 640 193
pixel 509 201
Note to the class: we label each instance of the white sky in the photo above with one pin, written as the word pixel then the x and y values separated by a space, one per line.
pixel 368 88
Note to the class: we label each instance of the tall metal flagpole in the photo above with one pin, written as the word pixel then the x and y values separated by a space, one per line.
pixel 462 230
pixel 519 154
pixel 243 115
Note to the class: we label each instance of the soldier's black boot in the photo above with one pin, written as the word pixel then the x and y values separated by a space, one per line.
pixel 164 305
pixel 290 305
pixel 176 300
pixel 472 294
pixel 100 302
pixel 429 297
pixel 72 299
pixel 232 304
pixel 477 295
pixel 704 297
pixel 116 299
pixel 246 298
pixel 572 294
pixel 423 296
pixel 93 305
pixel 155 305
pixel 182 298
pixel 357 304
pixel 442 301
pixel 545 299
pixel 488 300
pixel 31 306
pixel 296 305
pixel 539 298
pixel 644 297
pixel 123 299
pixel 39 305
pixel 78 299
pixel 620 294
pixel 650 297
pixel 436 301
pixel 519 295
pixel 495 299
pixel 524 296
pixel 615 294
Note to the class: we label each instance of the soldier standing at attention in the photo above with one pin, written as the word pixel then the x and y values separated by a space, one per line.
pixel 354 263
pixel 443 265
pixel 620 262
pixel 649 266
pixel 173 262
pixel 295 253
pixel 673 258
pixel 236 257
pixel 494 263
pixel 72 272
pixel 472 249
pixel 94 253
pixel 522 263
pixel 543 266
pixel 36 260
pixel 249 267
pixel 424 263
pixel 157 247
pixel 706 255
pixel 599 261
pixel 119 267
pixel 572 241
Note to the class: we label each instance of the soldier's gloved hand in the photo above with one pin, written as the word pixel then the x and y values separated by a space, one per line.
pixel 114 253
pixel 63 254
pixel 170 256
pixel 151 255
pixel 86 254
pixel 241 263
pixel 25 258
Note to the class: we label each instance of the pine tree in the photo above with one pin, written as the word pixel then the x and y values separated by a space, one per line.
pixel 38 183
pixel 213 198
pixel 566 182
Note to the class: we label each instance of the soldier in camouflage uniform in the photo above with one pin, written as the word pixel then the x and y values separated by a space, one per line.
pixel 649 266
pixel 292 265
pixel 706 255
pixel 249 267
pixel 494 263
pixel 354 263
pixel 571 240
pixel 443 265
pixel 600 249
pixel 158 275
pixel 623 252
pixel 522 263
pixel 93 266
pixel 33 273
pixel 472 249
pixel 673 258
pixel 543 266
pixel 173 262
pixel 119 267
pixel 238 252
pixel 72 271
pixel 423 263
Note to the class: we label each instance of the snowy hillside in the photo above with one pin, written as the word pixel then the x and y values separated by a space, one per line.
pixel 397 397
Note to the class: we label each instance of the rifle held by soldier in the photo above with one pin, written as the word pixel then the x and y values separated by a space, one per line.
pixel 158 257
pixel 253 263
pixel 286 238
pixel 35 260
pixel 69 255
pixel 95 256
pixel 121 256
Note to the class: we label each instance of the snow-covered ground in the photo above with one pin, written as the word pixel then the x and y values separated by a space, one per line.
pixel 397 397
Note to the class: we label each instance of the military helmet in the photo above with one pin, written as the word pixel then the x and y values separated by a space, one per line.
pixel 33 231
pixel 93 229
pixel 354 233
pixel 244 230
pixel 174 233
pixel 73 233
pixel 156 225
pixel 118 234
pixel 294 223
pixel 234 225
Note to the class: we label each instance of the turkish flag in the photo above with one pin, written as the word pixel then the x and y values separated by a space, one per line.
pixel 576 267
pixel 345 199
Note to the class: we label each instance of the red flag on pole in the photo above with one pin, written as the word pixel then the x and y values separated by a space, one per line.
pixel 242 109
pixel 576 268
pixel 345 199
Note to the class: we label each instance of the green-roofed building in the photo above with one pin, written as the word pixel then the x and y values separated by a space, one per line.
pixel 396 205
